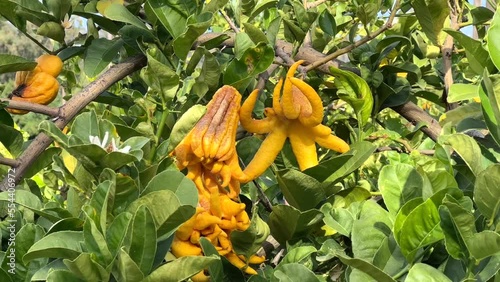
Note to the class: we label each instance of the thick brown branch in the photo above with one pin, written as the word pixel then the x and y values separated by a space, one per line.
pixel 414 114
pixel 32 107
pixel 69 110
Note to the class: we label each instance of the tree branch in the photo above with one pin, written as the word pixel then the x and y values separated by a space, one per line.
pixel 447 51
pixel 72 107
pixel 414 114
pixel 32 107
pixel 364 40
pixel 9 162
pixel 314 4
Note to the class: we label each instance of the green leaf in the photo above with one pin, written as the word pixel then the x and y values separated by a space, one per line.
pixel 340 219
pixel 249 241
pixel 42 161
pixel 460 92
pixel 128 271
pixel 389 257
pixel 493 39
pixel 255 34
pixel 184 124
pixel 63 275
pixel 421 228
pixel 487 192
pixel 12 139
pixel 183 187
pixel 298 255
pixel 52 30
pixel 327 23
pixel 468 149
pixel 344 164
pixel 293 272
pixel 63 244
pixel 355 91
pixel 95 243
pixel 367 12
pixel 239 73
pixel 167 217
pixel 159 76
pixel 366 268
pixel 12 63
pixel 399 183
pixel 102 201
pixel 490 104
pixel 215 269
pixel 300 190
pixel 197 25
pixel 181 268
pixel 143 239
pixel 86 268
pixel 370 231
pixel 424 272
pixel 288 223
pixel 99 55
pixel 119 12
pixel 477 56
pixel 431 15
pixel 172 15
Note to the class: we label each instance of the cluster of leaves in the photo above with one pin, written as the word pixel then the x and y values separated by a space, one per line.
pixel 94 209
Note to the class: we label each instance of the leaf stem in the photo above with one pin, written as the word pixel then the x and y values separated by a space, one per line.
pixel 159 132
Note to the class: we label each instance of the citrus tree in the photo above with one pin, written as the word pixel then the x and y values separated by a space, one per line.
pixel 252 140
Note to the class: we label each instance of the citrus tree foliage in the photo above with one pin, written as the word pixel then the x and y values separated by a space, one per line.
pixel 104 200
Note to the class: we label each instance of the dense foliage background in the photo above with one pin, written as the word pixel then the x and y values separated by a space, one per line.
pixel 406 83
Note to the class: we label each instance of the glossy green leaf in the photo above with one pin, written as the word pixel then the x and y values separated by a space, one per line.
pixel 344 164
pixel 99 55
pixel 340 219
pixel 355 91
pixel 490 103
pixel 172 15
pixel 487 192
pixel 117 232
pixel 327 23
pixel 102 201
pixel 493 40
pixel 369 231
pixel 63 244
pixel 424 272
pixel 300 190
pixel 431 15
pixel 86 268
pixel 63 275
pixel 59 8
pixel 298 255
pixel 12 63
pixel 293 272
pixel 181 268
pixel 460 92
pixel 476 54
pixel 364 267
pixel 389 257
pixel 95 243
pixel 468 149
pixel 255 34
pixel 287 223
pixel 119 12
pixel 183 187
pixel 421 228
pixel 399 183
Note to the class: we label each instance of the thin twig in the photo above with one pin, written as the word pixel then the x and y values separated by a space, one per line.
pixel 263 198
pixel 364 40
pixel 9 162
pixel 229 21
pixel 36 41
pixel 32 107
